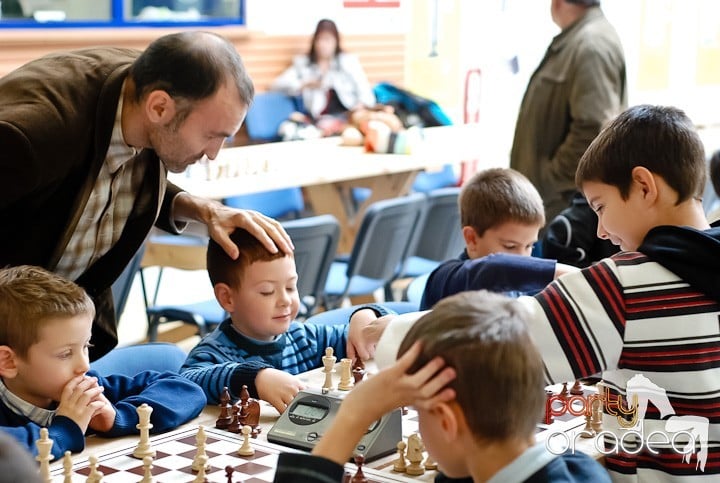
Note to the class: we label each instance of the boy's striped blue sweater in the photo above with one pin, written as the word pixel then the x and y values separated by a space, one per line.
pixel 227 358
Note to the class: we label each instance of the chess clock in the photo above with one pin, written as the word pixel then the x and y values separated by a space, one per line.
pixel 311 413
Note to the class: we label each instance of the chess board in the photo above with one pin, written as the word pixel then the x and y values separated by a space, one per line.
pixel 175 453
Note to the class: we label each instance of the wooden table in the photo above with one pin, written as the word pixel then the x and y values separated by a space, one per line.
pixel 328 171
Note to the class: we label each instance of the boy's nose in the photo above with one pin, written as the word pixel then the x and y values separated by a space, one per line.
pixel 601 233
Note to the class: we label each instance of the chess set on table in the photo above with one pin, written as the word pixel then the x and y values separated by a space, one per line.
pixel 177 451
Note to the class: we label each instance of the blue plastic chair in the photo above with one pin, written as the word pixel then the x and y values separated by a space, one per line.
pixel 133 359
pixel 381 246
pixel 205 315
pixel 283 203
pixel 315 239
pixel 426 182
pixel 441 237
pixel 267 111
pixel 342 315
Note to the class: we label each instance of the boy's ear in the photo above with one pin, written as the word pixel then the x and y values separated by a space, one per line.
pixel 450 418
pixel 471 238
pixel 223 294
pixel 8 362
pixel 645 181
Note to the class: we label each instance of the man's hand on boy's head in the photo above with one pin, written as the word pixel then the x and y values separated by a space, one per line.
pixel 80 401
pixel 364 332
pixel 277 387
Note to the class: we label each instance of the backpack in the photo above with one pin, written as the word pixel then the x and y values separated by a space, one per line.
pixel 412 109
pixel 571 237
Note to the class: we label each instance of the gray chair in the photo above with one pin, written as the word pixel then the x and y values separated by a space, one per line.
pixel 381 246
pixel 205 315
pixel 441 237
pixel 315 239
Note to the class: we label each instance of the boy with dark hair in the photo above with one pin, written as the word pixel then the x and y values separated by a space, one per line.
pixel 45 329
pixel 501 214
pixel 471 370
pixel 260 345
pixel 650 312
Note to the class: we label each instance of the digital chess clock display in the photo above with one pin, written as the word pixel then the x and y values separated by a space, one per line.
pixel 310 413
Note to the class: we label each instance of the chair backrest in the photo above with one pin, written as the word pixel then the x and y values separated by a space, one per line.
pixel 385 236
pixel 441 235
pixel 282 203
pixel 121 287
pixel 267 111
pixel 427 181
pixel 315 239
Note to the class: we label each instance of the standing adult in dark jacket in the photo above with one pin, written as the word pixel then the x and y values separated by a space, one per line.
pixel 87 140
pixel 579 85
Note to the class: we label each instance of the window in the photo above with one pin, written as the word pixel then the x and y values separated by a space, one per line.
pixel 120 13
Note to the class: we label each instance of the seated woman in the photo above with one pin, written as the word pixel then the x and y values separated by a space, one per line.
pixel 331 82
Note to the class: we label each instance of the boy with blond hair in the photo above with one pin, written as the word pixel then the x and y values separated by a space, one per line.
pixel 45 329
pixel 260 345
pixel 653 309
pixel 472 372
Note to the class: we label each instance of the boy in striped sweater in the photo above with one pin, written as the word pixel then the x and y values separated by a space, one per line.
pixel 646 318
pixel 260 345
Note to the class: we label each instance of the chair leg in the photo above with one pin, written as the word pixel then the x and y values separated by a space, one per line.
pixel 153 323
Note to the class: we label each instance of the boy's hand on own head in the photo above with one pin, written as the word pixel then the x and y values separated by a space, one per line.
pixel 393 387
pixel 277 387
pixel 79 400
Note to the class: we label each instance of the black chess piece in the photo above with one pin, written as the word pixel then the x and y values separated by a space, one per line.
pixel 577 389
pixel 359 476
pixel 229 470
pixel 225 417
pixel 235 424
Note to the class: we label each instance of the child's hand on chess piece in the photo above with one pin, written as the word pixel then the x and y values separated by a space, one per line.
pixel 104 418
pixel 277 387
pixel 365 331
pixel 79 400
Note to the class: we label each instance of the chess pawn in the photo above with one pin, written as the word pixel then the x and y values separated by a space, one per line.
pixel 147 470
pixel 67 467
pixel 345 374
pixel 201 477
pixel 143 448
pixel 400 464
pixel 430 463
pixel 94 476
pixel 200 440
pixel 577 389
pixel 328 361
pixel 359 476
pixel 588 431
pixel 246 449
pixel 44 448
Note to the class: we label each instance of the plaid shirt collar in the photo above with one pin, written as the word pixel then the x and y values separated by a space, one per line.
pixel 39 416
pixel 119 152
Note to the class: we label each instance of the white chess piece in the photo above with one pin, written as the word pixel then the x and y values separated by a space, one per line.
pixel 143 448
pixel 94 476
pixel 328 361
pixel 44 447
pixel 147 470
pixel 246 449
pixel 415 455
pixel 400 464
pixel 200 478
pixel 67 467
pixel 200 440
pixel 346 381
